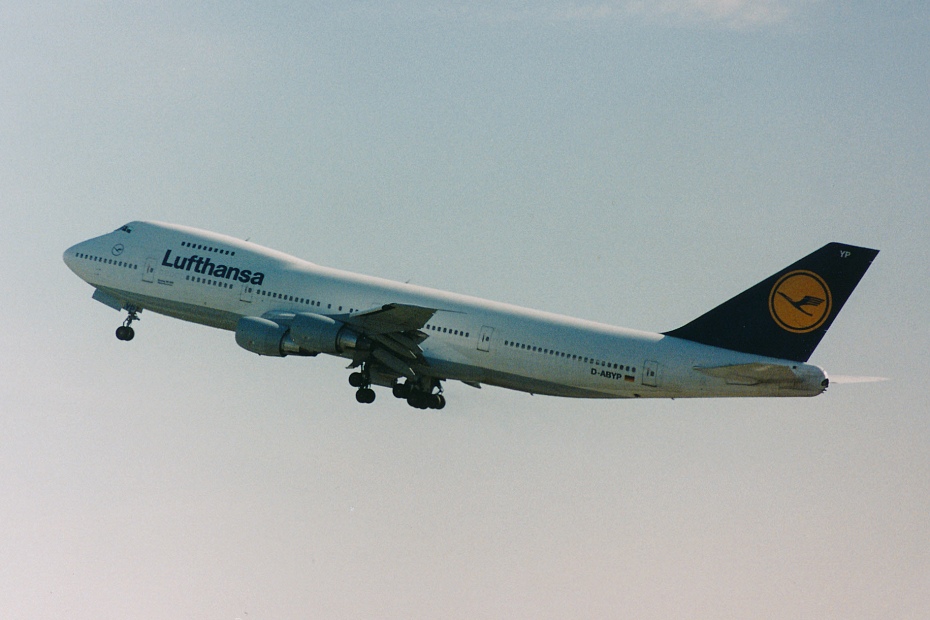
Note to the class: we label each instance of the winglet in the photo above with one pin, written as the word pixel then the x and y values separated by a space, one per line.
pixel 786 315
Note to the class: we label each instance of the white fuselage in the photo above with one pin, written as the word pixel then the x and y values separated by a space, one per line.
pixel 167 269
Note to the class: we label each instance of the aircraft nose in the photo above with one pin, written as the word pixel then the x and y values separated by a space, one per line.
pixel 71 259
pixel 70 256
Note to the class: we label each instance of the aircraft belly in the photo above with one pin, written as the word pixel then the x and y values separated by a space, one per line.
pixel 546 388
pixel 194 313
pixel 499 378
pixel 547 380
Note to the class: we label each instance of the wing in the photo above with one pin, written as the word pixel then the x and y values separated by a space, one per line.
pixel 392 334
pixel 390 318
pixel 397 329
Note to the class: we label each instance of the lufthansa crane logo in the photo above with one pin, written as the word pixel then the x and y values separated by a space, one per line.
pixel 800 301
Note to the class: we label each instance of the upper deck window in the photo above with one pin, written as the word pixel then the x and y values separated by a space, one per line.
pixel 126 229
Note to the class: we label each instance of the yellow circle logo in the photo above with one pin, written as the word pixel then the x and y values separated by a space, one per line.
pixel 800 301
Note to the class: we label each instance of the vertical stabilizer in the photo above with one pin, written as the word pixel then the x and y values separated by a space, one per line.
pixel 786 315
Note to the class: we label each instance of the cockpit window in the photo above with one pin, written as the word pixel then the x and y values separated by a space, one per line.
pixel 126 229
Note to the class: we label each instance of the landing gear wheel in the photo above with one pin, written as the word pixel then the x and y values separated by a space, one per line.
pixel 357 380
pixel 365 395
pixel 437 401
pixel 124 332
pixel 401 390
pixel 418 400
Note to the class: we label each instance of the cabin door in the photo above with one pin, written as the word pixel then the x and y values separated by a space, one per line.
pixel 651 374
pixel 246 293
pixel 484 338
pixel 148 274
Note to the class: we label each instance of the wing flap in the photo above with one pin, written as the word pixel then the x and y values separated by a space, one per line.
pixel 394 364
pixel 395 330
pixel 398 344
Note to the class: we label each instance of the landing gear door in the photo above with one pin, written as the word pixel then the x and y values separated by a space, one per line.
pixel 148 274
pixel 484 338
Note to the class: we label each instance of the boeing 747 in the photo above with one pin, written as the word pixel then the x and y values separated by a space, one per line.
pixel 412 338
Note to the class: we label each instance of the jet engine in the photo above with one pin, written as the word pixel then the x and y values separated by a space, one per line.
pixel 264 337
pixel 321 334
pixel 300 334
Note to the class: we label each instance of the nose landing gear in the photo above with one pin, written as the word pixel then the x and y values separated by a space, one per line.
pixel 124 331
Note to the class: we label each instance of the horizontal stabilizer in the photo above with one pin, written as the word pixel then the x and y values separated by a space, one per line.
pixel 751 374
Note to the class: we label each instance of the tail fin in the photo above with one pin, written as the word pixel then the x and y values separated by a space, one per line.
pixel 786 315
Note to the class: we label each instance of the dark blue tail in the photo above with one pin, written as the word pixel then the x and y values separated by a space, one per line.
pixel 786 315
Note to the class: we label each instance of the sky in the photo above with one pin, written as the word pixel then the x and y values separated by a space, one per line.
pixel 630 162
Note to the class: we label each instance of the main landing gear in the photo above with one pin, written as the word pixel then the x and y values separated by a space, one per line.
pixel 417 396
pixel 362 381
pixel 124 331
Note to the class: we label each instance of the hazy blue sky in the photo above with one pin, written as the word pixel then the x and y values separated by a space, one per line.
pixel 630 162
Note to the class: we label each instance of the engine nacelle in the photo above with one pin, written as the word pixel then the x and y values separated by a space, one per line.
pixel 321 334
pixel 262 336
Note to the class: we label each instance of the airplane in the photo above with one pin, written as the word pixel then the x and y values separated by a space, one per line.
pixel 411 338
